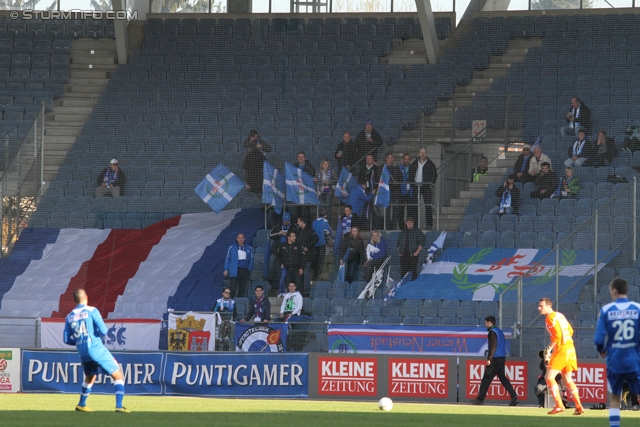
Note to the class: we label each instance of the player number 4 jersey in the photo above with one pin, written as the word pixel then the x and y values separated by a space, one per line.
pixel 83 328
pixel 619 322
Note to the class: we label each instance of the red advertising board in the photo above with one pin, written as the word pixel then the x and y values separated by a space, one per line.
pixel 418 378
pixel 347 376
pixel 591 379
pixel 516 372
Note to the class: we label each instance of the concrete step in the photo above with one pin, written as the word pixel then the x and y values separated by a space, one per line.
pixel 85 88
pixel 57 124
pixel 89 81
pixel 87 73
pixel 452 210
pixel 478 186
pixel 459 202
pixel 58 140
pixel 77 102
pixel 468 194
pixel 93 59
pixel 62 131
pixel 85 66
pixel 73 110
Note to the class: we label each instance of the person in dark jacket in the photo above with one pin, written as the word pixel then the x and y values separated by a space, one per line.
pixel 356 255
pixel 509 198
pixel 546 183
pixel 259 308
pixel 253 165
pixel 111 181
pixel 347 152
pixel 304 211
pixel 291 256
pixel 368 141
pixel 578 117
pixel 496 358
pixel 254 139
pixel 410 243
pixel 521 168
pixel 424 173
pixel 580 151
pixel 238 265
pixel 307 239
pixel 395 180
pixel 604 150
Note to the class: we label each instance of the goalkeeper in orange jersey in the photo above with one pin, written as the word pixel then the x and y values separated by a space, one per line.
pixel 561 355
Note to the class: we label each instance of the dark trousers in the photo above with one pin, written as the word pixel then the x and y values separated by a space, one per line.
pixel 495 368
pixel 239 283
pixel 317 261
pixel 351 271
pixel 293 276
pixel 408 263
pixel 537 195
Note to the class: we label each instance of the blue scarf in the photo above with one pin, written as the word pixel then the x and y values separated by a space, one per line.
pixel 578 146
pixel 259 309
pixel 323 183
pixel 405 179
pixel 505 202
pixel 346 224
pixel 284 228
pixel 110 176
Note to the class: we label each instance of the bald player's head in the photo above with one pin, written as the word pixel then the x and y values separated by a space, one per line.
pixel 79 296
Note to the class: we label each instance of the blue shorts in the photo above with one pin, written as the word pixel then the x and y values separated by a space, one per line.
pixel 99 358
pixel 615 382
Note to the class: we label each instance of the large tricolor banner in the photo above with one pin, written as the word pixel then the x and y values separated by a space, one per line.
pixel 122 334
pixel 394 339
pixel 127 274
pixel 483 273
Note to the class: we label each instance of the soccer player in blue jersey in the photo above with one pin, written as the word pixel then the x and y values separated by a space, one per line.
pixel 619 322
pixel 83 328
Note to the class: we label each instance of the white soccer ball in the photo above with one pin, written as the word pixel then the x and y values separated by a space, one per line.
pixel 385 404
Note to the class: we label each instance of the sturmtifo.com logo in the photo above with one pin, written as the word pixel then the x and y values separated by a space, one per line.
pixel 49 15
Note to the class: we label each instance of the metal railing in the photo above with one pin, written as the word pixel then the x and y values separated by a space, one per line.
pixel 20 332
pixel 21 181
pixel 597 232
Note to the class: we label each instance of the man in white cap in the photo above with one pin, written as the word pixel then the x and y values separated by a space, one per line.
pixel 111 181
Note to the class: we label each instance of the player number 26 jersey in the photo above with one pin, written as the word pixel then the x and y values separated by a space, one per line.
pixel 620 322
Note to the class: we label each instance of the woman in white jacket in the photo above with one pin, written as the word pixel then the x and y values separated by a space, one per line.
pixel 292 303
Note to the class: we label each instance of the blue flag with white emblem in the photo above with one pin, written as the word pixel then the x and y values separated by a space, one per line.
pixel 301 189
pixel 346 183
pixel 272 187
pixel 219 187
pixel 383 196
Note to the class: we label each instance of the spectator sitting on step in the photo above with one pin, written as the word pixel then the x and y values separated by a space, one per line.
pixel 578 116
pixel 535 164
pixel 521 168
pixel 481 170
pixel 604 150
pixel 580 151
pixel 546 183
pixel 569 185
pixel 111 181
pixel 509 198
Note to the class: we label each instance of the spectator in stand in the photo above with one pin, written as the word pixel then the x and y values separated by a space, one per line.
pixel 369 174
pixel 323 230
pixel 346 152
pixel 395 179
pixel 509 198
pixel 359 201
pixel 368 141
pixel 569 185
pixel 632 142
pixel 535 164
pixel 356 257
pixel 111 181
pixel 226 304
pixel 238 265
pixel 546 183
pixel 279 231
pixel 578 117
pixel 253 140
pixel 291 303
pixel 407 190
pixel 259 308
pixel 376 253
pixel 278 236
pixel 326 181
pixel 423 172
pixel 521 168
pixel 410 243
pixel 291 256
pixel 481 170
pixel 305 166
pixel 603 151
pixel 347 220
pixel 253 164
pixel 307 240
pixel 579 151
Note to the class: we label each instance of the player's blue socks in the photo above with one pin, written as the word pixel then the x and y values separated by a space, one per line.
pixel 86 390
pixel 614 417
pixel 119 386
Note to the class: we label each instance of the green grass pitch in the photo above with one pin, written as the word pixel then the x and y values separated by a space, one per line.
pixel 58 410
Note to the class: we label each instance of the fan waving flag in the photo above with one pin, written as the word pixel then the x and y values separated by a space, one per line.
pixel 272 187
pixel 346 183
pixel 301 189
pixel 219 187
pixel 383 196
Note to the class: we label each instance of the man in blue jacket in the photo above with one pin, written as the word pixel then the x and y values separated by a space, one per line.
pixel 358 199
pixel 496 359
pixel 238 266
pixel 322 229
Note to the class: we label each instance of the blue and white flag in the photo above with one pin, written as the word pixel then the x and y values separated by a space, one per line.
pixel 392 292
pixel 340 277
pixel 437 244
pixel 272 187
pixel 383 196
pixel 219 187
pixel 346 183
pixel 301 189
